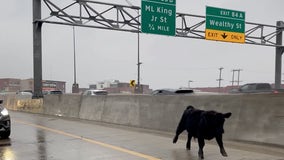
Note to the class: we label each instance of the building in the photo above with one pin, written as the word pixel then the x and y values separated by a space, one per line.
pixel 10 85
pixel 14 85
pixel 50 85
pixel 27 84
pixel 119 87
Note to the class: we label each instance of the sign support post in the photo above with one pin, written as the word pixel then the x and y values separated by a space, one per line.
pixel 37 49
pixel 279 53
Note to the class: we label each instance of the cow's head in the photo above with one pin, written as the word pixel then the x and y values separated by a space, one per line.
pixel 213 122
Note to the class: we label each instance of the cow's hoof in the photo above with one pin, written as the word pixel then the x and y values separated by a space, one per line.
pixel 175 139
pixel 201 155
pixel 223 152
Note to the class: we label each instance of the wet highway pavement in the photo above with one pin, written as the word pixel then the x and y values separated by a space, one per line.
pixel 39 137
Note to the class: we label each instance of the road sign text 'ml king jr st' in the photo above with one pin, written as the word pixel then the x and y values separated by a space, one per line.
pixel 158 17
pixel 225 25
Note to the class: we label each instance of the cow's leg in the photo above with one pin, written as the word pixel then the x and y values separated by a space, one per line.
pixel 175 138
pixel 188 144
pixel 201 144
pixel 178 132
pixel 221 146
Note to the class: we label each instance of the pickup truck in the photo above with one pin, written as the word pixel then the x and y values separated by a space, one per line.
pixel 256 88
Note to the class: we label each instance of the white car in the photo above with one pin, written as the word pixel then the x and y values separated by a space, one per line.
pixel 94 92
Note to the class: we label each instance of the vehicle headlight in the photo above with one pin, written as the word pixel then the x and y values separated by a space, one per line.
pixel 4 112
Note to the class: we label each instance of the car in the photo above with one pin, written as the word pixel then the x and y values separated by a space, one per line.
pixel 172 92
pixel 254 88
pixel 94 92
pixel 53 92
pixel 5 122
pixel 24 93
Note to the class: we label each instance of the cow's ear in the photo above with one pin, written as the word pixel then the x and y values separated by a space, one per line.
pixel 227 115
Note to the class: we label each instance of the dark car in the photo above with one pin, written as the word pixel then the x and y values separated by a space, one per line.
pixel 5 122
pixel 172 92
pixel 254 88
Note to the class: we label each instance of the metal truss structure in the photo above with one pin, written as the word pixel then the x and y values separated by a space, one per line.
pixel 86 13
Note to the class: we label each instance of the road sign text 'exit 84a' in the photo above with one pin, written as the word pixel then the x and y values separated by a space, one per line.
pixel 158 17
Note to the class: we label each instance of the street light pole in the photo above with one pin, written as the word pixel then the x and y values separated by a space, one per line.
pixel 75 86
pixel 189 81
pixel 138 62
pixel 139 87
pixel 74 49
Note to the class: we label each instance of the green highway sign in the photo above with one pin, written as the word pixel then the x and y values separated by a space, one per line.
pixel 158 17
pixel 225 25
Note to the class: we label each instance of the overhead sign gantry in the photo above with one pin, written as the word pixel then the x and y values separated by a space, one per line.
pixel 87 13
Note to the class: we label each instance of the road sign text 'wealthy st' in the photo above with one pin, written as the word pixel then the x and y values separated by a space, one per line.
pixel 158 17
pixel 225 25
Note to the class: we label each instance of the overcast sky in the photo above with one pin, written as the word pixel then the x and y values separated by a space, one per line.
pixel 167 62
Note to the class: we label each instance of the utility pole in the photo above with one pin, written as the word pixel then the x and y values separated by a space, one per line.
pixel 233 78
pixel 239 71
pixel 220 78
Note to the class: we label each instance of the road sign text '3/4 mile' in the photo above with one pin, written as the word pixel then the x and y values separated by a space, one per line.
pixel 158 17
pixel 225 25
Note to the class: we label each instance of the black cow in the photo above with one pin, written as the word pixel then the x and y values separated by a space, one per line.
pixel 202 125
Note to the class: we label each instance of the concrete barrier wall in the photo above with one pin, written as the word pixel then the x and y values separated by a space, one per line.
pixel 112 109
pixel 260 119
pixel 22 103
pixel 257 118
pixel 62 105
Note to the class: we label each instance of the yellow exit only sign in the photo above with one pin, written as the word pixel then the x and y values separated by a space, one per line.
pixel 224 36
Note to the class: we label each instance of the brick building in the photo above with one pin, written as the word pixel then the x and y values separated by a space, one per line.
pixel 10 85
pixel 14 85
